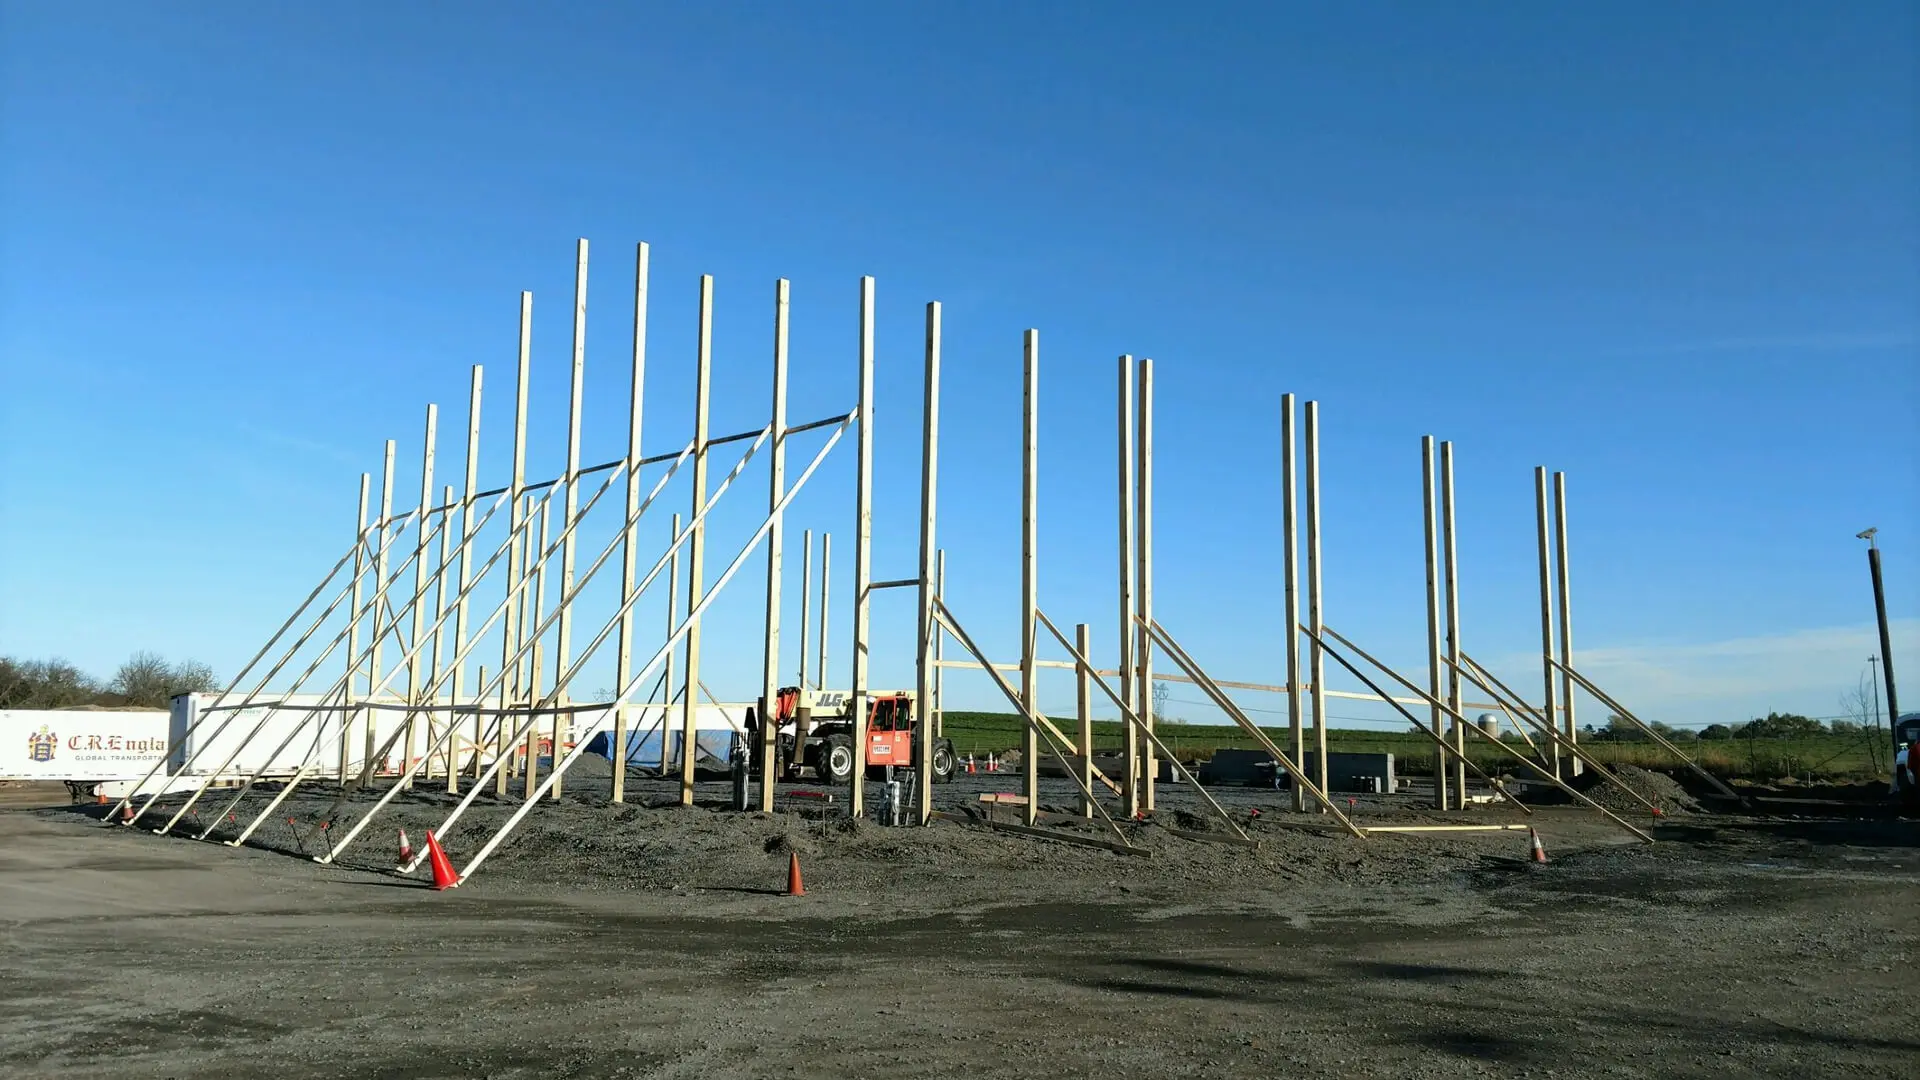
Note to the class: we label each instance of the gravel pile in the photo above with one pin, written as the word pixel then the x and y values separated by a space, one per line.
pixel 1658 788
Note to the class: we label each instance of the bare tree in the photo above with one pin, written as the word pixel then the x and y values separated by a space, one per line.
pixel 44 684
pixel 148 679
pixel 1859 703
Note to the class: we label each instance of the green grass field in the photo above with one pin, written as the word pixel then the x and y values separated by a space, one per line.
pixel 1821 757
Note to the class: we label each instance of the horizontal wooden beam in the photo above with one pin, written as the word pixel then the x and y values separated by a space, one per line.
pixel 1444 828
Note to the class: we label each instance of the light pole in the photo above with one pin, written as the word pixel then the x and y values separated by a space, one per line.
pixel 1873 681
pixel 1886 641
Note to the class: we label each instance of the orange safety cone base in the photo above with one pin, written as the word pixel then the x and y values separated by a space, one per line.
pixel 443 875
pixel 794 886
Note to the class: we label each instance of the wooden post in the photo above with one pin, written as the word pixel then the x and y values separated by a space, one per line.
pixel 806 600
pixel 470 484
pixel 1552 707
pixel 862 555
pixel 1441 800
pixel 630 545
pixel 777 480
pixel 826 592
pixel 419 593
pixel 1316 657
pixel 1029 573
pixel 538 559
pixel 1083 641
pixel 925 673
pixel 570 496
pixel 1290 563
pixel 696 544
pixel 1143 581
pixel 939 648
pixel 1129 633
pixel 440 599
pixel 511 633
pixel 378 602
pixel 1451 563
pixel 1566 615
pixel 353 630
pixel 669 690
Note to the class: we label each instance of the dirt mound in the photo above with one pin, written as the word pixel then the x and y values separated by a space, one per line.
pixel 1658 788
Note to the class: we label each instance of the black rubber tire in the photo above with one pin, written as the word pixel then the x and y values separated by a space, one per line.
pixel 945 764
pixel 834 765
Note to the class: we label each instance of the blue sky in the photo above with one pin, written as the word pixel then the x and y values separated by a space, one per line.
pixel 1668 249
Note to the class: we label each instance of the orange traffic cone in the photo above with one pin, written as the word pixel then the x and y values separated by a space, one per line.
pixel 969 764
pixel 794 887
pixel 126 814
pixel 443 875
pixel 1539 853
pixel 102 798
pixel 406 848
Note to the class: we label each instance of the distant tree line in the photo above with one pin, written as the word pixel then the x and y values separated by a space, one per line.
pixel 1774 725
pixel 146 680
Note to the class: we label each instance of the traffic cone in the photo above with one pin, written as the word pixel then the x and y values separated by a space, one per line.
pixel 1539 853
pixel 443 875
pixel 969 764
pixel 101 798
pixel 126 814
pixel 406 848
pixel 794 887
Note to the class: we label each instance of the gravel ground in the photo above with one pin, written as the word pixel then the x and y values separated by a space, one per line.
pixel 646 941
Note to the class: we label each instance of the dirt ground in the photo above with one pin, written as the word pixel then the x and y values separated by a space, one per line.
pixel 651 941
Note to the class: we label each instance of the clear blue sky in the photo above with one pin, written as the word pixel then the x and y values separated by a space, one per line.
pixel 1670 249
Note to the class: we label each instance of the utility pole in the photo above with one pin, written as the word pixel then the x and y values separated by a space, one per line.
pixel 1886 641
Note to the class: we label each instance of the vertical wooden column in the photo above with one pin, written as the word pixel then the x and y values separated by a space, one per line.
pixel 1143 582
pixel 940 648
pixel 669 689
pixel 1083 681
pixel 1441 799
pixel 696 544
pixel 862 556
pixel 379 594
pixel 353 630
pixel 925 703
pixel 537 557
pixel 470 483
pixel 440 628
pixel 419 592
pixel 1290 563
pixel 806 601
pixel 511 686
pixel 1552 708
pixel 826 591
pixel 776 534
pixel 570 496
pixel 1316 659
pixel 630 543
pixel 1566 615
pixel 525 676
pixel 1129 632
pixel 1029 573
pixel 1451 562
